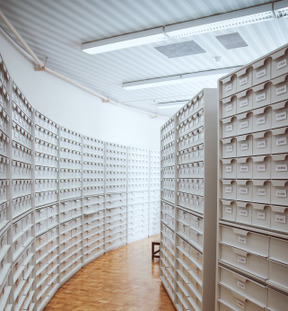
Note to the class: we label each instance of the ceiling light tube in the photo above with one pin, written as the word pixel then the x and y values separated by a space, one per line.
pixel 281 8
pixel 172 104
pixel 124 41
pixel 221 21
pixel 180 78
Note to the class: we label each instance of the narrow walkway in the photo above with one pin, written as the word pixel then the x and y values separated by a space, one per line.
pixel 123 280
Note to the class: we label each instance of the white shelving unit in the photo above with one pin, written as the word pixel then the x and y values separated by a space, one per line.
pixel 253 186
pixel 63 200
pixel 188 209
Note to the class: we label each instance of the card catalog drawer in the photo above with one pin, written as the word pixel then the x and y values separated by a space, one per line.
pixel 279 63
pixel 280 114
pixel 261 70
pixel 228 210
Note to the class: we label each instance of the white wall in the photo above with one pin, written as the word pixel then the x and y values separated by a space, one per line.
pixel 76 109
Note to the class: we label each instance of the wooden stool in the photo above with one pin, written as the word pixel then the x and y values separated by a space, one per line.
pixel 155 252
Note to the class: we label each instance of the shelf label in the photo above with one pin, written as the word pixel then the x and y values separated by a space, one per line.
pixel 280 218
pixel 241 285
pixel 243 213
pixel 244 168
pixel 228 107
pixel 261 73
pixel 281 193
pixel 228 87
pixel 281 90
pixel 281 141
pixel 244 124
pixel 229 128
pixel 243 190
pixel 260 97
pixel 261 191
pixel 281 167
pixel 228 209
pixel 228 189
pixel 261 215
pixel 261 144
pixel 229 148
pixel 241 239
pixel 242 260
pixel 280 116
pixel 243 103
pixel 281 64
pixel 261 120
pixel 243 81
pixel 261 168
pixel 244 146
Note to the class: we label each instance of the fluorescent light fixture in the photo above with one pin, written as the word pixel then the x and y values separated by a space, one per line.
pixel 281 9
pixel 172 104
pixel 125 41
pixel 221 21
pixel 168 80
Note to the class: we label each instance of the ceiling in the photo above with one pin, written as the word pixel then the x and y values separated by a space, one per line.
pixel 55 29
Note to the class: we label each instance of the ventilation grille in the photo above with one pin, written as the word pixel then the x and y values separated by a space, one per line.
pixel 232 41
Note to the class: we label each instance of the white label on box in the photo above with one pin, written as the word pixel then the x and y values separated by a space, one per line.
pixel 243 103
pixel 228 168
pixel 228 87
pixel 243 190
pixel 244 124
pixel 244 168
pixel 228 107
pixel 261 168
pixel 241 285
pixel 241 239
pixel 228 189
pixel 261 215
pixel 281 167
pixel 228 209
pixel 260 97
pixel 281 64
pixel 244 146
pixel 243 81
pixel 261 73
pixel 261 144
pixel 280 218
pixel 281 141
pixel 281 193
pixel 281 90
pixel 242 260
pixel 229 128
pixel 243 212
pixel 280 116
pixel 229 148
pixel 261 191
pixel 240 304
pixel 261 120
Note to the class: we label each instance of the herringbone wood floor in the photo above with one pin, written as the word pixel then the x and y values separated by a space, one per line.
pixel 123 280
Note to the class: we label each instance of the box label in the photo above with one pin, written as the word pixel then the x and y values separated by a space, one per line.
pixel 240 304
pixel 243 81
pixel 228 107
pixel 228 168
pixel 244 124
pixel 261 144
pixel 243 103
pixel 229 128
pixel 243 213
pixel 241 239
pixel 229 148
pixel 261 215
pixel 261 191
pixel 280 116
pixel 243 190
pixel 261 73
pixel 228 87
pixel 228 209
pixel 244 146
pixel 241 285
pixel 228 189
pixel 280 218
pixel 260 97
pixel 261 120
pixel 242 260
pixel 281 167
pixel 244 168
pixel 281 141
pixel 261 168
pixel 281 64
pixel 281 193
pixel 281 90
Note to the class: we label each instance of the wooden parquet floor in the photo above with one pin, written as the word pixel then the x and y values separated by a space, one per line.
pixel 125 279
